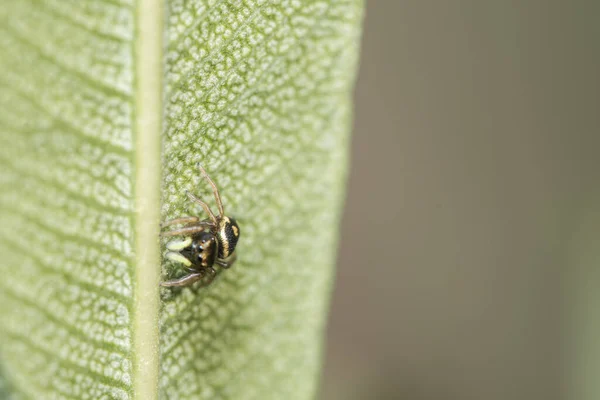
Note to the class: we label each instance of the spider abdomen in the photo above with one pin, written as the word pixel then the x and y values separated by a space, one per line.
pixel 228 233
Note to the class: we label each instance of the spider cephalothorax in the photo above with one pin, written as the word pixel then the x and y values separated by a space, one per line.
pixel 207 242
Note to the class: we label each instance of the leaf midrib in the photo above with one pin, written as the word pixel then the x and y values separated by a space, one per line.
pixel 148 59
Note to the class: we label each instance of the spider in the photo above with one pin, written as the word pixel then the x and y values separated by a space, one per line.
pixel 207 242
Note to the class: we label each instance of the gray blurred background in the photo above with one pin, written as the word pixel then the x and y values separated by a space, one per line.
pixel 475 151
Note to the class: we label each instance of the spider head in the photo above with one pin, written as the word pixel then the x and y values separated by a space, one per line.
pixel 199 250
pixel 203 250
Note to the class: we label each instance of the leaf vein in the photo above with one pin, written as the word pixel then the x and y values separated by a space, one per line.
pixel 68 364
pixel 76 238
pixel 55 184
pixel 57 321
pixel 65 124
pixel 82 76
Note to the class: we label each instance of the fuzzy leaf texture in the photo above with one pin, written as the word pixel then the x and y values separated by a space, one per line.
pixel 107 107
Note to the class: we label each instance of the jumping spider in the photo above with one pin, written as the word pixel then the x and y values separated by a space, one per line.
pixel 207 242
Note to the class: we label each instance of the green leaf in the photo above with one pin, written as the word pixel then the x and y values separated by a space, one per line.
pixel 107 107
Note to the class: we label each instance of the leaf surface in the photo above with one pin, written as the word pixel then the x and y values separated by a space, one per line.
pixel 256 91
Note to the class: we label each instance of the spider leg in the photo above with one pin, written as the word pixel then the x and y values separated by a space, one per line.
pixel 215 191
pixel 213 273
pixel 226 262
pixel 188 230
pixel 177 245
pixel 177 257
pixel 184 281
pixel 182 220
pixel 203 205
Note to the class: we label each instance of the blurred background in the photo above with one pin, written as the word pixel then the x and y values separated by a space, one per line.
pixel 474 178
